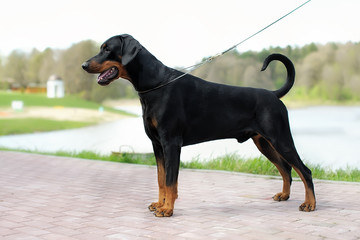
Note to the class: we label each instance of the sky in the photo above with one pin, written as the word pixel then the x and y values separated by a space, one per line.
pixel 178 33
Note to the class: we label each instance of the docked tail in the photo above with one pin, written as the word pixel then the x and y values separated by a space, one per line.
pixel 290 73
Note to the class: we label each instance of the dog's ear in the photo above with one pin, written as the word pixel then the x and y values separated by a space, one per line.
pixel 130 48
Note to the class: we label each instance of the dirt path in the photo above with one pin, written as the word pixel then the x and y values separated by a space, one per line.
pixel 61 113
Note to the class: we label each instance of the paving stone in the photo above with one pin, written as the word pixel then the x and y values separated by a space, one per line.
pixel 47 197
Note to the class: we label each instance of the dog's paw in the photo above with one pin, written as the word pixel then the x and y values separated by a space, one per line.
pixel 307 207
pixel 155 205
pixel 281 196
pixel 163 212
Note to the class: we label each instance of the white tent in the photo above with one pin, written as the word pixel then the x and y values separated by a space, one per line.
pixel 55 87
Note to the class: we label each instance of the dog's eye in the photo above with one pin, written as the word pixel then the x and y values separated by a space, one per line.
pixel 107 50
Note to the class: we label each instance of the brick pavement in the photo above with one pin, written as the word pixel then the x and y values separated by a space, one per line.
pixel 47 197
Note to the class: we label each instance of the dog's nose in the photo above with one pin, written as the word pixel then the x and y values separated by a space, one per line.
pixel 85 65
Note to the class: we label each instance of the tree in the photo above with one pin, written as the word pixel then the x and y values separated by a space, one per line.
pixel 3 83
pixel 309 73
pixel 15 68
pixel 33 65
pixel 69 68
pixel 250 76
pixel 48 65
pixel 1 71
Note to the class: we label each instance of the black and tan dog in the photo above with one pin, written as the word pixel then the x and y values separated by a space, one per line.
pixel 188 110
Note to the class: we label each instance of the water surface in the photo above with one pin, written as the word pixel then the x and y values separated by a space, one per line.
pixel 328 136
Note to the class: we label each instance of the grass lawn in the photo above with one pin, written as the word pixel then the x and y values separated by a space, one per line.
pixel 230 162
pixel 263 166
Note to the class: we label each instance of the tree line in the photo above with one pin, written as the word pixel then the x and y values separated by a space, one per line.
pixel 323 72
pixel 21 70
pixel 328 72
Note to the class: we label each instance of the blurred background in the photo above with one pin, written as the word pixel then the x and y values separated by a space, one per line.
pixel 43 88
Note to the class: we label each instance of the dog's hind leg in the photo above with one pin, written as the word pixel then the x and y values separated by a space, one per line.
pixel 292 157
pixel 284 145
pixel 284 168
pixel 273 126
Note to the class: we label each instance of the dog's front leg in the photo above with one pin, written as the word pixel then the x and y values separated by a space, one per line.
pixel 172 162
pixel 161 177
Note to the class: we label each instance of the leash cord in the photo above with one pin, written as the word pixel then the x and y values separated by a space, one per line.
pixel 209 59
pixel 228 50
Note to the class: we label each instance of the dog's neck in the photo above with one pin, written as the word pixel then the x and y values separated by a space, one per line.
pixel 147 72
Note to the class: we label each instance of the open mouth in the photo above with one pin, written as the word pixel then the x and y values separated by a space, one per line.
pixel 108 76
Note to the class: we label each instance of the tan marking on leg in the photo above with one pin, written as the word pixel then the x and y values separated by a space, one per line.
pixel 168 208
pixel 285 194
pixel 310 202
pixel 161 182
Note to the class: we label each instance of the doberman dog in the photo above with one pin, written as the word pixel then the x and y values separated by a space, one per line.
pixel 180 110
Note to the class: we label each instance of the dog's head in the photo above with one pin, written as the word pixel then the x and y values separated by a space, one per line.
pixel 115 53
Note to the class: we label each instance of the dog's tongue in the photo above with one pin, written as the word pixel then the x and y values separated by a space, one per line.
pixel 104 75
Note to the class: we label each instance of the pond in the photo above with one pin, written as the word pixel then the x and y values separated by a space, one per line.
pixel 325 135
